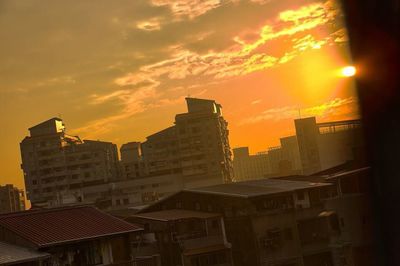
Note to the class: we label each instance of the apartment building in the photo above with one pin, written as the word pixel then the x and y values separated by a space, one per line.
pixel 277 161
pixel 196 147
pixel 12 199
pixel 325 145
pixel 248 167
pixel 56 165
pixel 267 221
pixel 132 165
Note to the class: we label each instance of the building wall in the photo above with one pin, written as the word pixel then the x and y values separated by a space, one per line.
pixel 56 165
pixel 196 147
pixel 325 145
pixel 12 199
pixel 248 167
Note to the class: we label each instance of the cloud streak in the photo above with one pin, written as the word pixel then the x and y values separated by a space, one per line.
pixel 341 108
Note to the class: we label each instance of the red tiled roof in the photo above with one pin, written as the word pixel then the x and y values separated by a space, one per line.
pixel 48 227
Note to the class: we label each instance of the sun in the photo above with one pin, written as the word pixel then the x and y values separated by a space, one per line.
pixel 348 71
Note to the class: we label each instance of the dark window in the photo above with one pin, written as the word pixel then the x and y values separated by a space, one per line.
pixel 300 195
pixel 288 233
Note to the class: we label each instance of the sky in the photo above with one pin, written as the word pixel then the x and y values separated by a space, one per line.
pixel 119 70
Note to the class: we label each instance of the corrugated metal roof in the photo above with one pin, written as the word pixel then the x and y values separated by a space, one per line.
pixel 257 187
pixel 48 227
pixel 175 214
pixel 10 254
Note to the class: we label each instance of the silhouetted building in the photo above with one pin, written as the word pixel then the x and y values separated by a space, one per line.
pixel 196 147
pixel 57 165
pixel 353 245
pixel 183 237
pixel 324 145
pixel 248 167
pixel 267 221
pixel 132 165
pixel 72 236
pixel 12 199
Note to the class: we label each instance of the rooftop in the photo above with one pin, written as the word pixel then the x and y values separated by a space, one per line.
pixel 175 214
pixel 260 187
pixel 49 227
pixel 11 254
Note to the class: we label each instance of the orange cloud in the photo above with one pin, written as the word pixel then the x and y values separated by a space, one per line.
pixel 149 25
pixel 241 59
pixel 188 8
pixel 337 108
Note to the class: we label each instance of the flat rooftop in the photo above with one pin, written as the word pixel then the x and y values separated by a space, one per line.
pixel 254 188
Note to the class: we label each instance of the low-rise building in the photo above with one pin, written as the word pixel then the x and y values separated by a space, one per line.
pixel 267 221
pixel 79 235
pixel 185 237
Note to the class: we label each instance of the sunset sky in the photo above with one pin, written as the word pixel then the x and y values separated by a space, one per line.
pixel 119 70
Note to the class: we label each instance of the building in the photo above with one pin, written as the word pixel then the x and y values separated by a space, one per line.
pixel 20 256
pixel 277 161
pixel 267 221
pixel 56 165
pixel 132 165
pixel 183 237
pixel 12 199
pixel 196 147
pixel 354 245
pixel 248 167
pixel 71 235
pixel 132 193
pixel 325 145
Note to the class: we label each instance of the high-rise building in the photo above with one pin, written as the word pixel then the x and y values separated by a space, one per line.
pixel 56 165
pixel 196 147
pixel 325 145
pixel 132 165
pixel 12 199
pixel 248 167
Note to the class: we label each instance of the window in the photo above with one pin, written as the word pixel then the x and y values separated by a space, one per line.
pixel 288 234
pixel 300 195
pixel 126 201
pixel 214 224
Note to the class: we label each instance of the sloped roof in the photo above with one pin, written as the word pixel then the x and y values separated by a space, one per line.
pixel 49 227
pixel 11 254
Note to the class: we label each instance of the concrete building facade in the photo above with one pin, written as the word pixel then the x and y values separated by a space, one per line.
pixel 56 165
pixel 248 167
pixel 325 145
pixel 12 199
pixel 196 147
